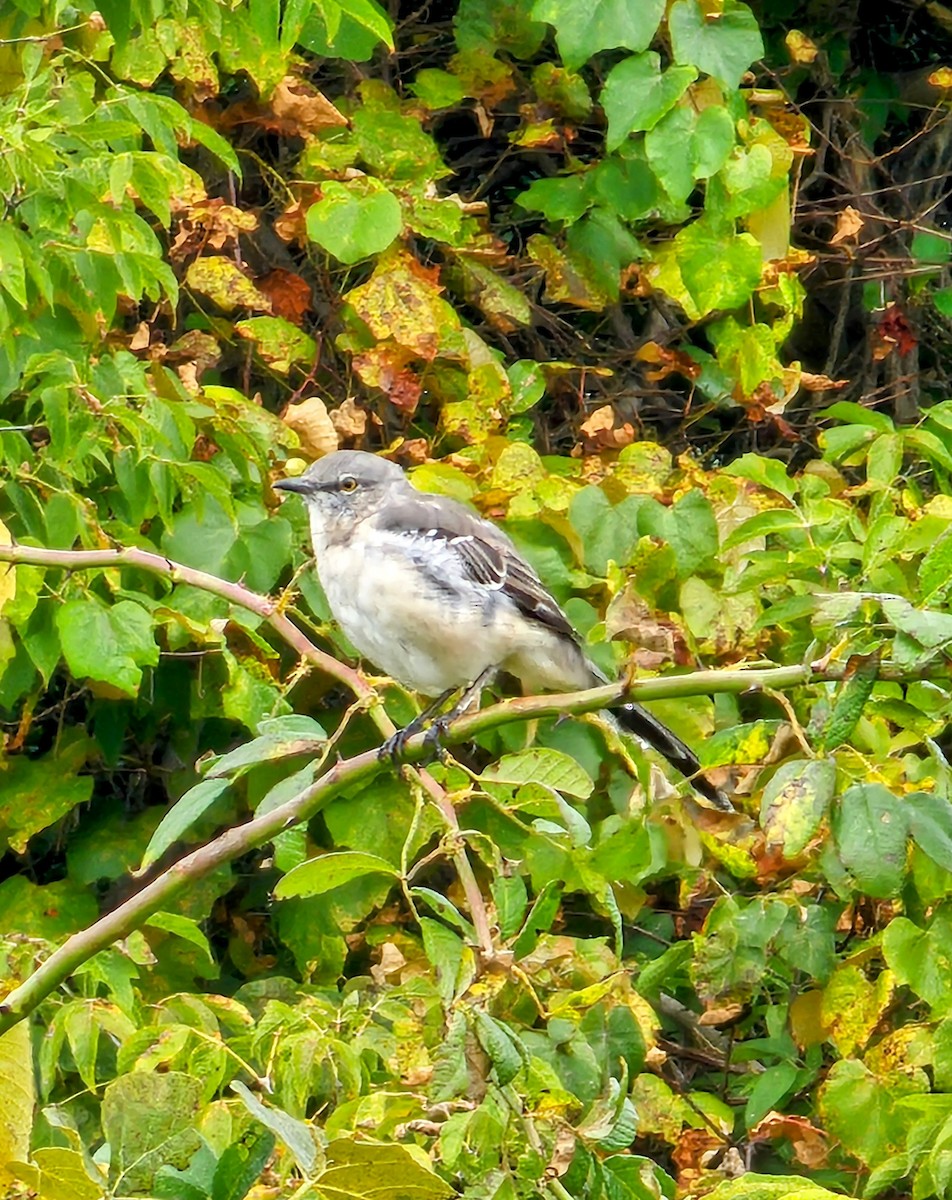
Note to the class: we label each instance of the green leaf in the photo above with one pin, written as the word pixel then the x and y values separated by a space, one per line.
pixel 722 44
pixel 768 472
pixel 329 871
pixel 180 818
pixel 12 265
pixel 637 94
pixel 851 702
pixel 109 644
pixel 511 900
pixel 775 520
pixel 550 768
pixel 386 1170
pixel 794 803
pixel 446 909
pixel 505 1051
pixel 354 222
pixel 295 1135
pixel 148 1119
pixel 19 1095
pixel 930 247
pixel 582 31
pixel 445 953
pixel 543 912
pixel 871 830
pixel 920 957
pixel 930 823
pixel 282 737
pixel 280 344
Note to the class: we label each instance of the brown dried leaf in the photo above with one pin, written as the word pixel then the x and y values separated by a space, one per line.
pixel 562 1153
pixel 390 962
pixel 600 431
pixel 848 225
pixel 311 422
pixel 809 1143
pixel 667 361
pixel 820 383
pixel 294 102
pixel 349 420
pixel 296 110
pixel 290 226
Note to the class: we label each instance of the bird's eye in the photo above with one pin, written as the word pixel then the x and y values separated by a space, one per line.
pixel 348 483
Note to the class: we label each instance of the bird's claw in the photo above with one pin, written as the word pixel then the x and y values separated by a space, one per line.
pixel 394 748
pixel 432 738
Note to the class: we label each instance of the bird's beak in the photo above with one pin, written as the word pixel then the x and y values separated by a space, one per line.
pixel 294 484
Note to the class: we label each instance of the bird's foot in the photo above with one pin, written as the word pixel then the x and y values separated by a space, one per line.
pixel 432 739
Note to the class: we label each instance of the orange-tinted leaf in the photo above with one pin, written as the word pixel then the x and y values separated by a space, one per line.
pixel 290 295
pixel 810 1144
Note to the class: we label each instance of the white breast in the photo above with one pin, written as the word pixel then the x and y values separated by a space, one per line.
pixel 429 634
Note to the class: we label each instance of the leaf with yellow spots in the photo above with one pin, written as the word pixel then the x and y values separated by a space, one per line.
pixel 852 1007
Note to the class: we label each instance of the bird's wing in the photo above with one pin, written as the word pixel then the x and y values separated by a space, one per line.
pixel 485 554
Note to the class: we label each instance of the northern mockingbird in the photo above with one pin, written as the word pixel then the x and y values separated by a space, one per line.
pixel 439 598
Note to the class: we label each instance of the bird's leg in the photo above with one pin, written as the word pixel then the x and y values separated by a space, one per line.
pixel 394 746
pixel 469 697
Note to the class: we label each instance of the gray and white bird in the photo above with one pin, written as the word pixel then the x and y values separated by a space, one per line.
pixel 439 598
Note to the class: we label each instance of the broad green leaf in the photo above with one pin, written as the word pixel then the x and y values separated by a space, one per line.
pixel 541 915
pixel 920 957
pixel 446 909
pixel 149 1122
pixel 354 222
pixel 775 520
pixel 768 472
pixel 59 1173
pixel 35 793
pixel 51 911
pixel 724 45
pixel 386 1170
pixel 871 829
pixel 603 25
pixel 930 823
pixel 12 268
pixel 551 768
pixel 330 871
pixel 929 628
pixel 299 736
pixel 511 900
pixel 638 93
pixel 107 643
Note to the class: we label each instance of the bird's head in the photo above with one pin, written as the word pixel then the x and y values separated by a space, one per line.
pixel 348 484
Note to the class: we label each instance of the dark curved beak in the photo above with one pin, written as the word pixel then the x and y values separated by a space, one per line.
pixel 294 484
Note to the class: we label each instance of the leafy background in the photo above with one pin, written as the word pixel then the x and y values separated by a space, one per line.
pixel 662 287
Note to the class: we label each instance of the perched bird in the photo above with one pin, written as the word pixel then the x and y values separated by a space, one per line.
pixel 440 599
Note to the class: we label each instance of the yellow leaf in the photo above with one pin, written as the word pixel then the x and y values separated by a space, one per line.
pixel 8 577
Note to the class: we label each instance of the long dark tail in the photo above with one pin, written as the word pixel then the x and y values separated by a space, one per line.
pixel 641 723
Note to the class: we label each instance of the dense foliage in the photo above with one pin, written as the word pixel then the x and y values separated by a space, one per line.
pixel 540 253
